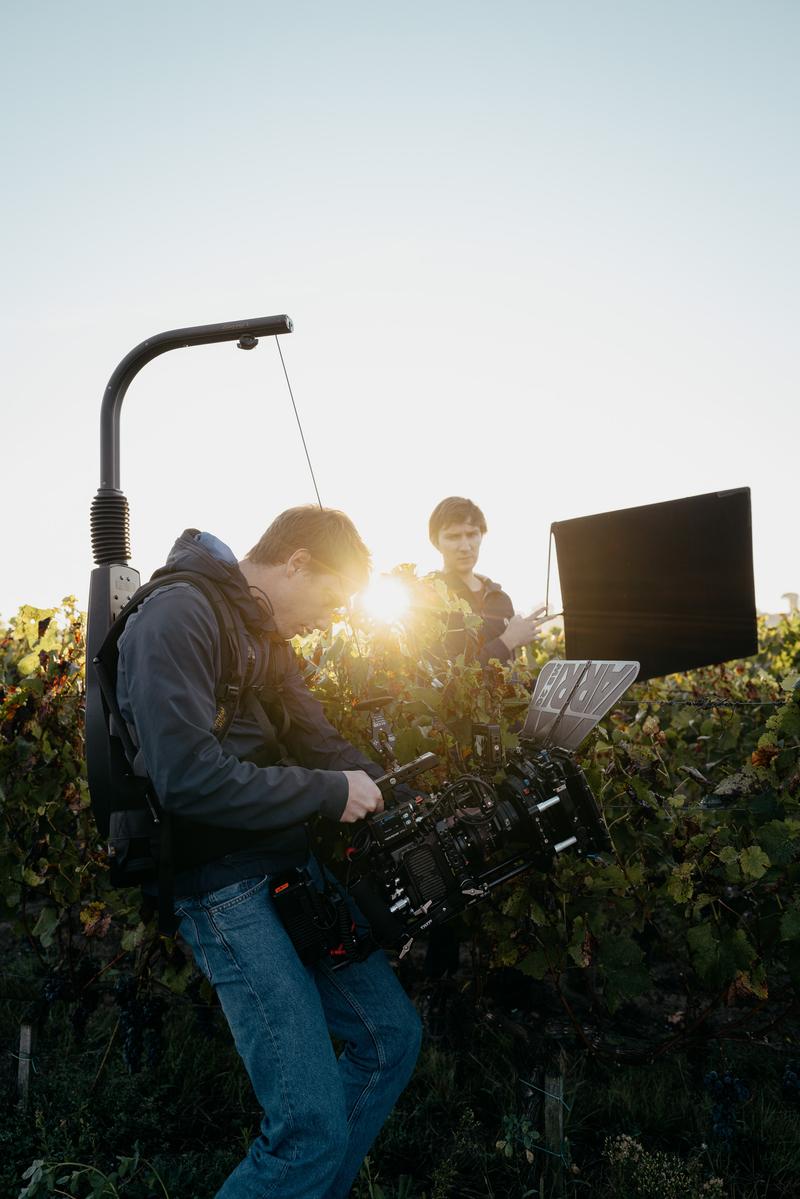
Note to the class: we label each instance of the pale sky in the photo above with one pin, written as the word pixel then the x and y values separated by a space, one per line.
pixel 541 254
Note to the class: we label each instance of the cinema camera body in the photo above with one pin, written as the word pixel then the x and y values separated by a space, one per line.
pixel 423 860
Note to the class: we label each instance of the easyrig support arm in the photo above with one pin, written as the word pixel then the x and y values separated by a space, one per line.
pixel 109 516
pixel 113 579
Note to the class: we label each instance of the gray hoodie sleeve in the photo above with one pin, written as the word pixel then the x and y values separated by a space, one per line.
pixel 311 737
pixel 169 661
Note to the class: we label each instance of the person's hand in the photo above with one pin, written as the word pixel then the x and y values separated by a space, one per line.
pixel 521 630
pixel 363 797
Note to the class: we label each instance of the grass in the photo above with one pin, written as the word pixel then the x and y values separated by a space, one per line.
pixel 193 1116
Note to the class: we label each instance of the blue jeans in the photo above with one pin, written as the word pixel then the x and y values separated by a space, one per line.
pixel 321 1114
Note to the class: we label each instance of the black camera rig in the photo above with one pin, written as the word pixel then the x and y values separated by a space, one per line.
pixel 425 859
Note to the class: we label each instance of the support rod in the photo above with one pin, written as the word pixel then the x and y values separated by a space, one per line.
pixel 146 351
pixel 109 515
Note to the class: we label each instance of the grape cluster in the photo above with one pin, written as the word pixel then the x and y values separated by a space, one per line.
pixel 87 1003
pixel 141 1019
pixel 87 995
pixel 56 986
pixel 129 1022
pixel 153 1010
pixel 791 1081
pixel 77 987
pixel 727 1092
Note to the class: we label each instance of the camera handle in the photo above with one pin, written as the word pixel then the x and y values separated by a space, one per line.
pixel 403 774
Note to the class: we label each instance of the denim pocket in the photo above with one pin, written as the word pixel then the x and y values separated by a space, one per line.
pixel 228 897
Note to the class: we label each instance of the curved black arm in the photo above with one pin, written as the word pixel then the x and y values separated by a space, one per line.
pixel 109 514
pixel 139 356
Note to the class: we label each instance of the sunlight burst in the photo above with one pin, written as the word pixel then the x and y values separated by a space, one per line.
pixel 386 599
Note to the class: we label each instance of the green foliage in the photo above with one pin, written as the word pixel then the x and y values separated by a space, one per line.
pixel 192 1116
pixel 435 699
pixel 697 776
pixel 46 841
pixel 54 871
pixel 79 1181
pixel 698 779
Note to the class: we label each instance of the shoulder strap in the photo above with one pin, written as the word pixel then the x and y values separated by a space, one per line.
pixel 233 674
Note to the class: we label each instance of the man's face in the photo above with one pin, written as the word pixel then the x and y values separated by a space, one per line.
pixel 459 545
pixel 307 601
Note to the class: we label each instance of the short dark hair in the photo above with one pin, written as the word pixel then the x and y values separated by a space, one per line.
pixel 455 510
pixel 329 535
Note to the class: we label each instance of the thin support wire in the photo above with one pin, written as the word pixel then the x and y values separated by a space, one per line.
pixel 558 1153
pixel 24 1057
pixel 297 418
pixel 547 585
pixel 550 1094
pixel 708 702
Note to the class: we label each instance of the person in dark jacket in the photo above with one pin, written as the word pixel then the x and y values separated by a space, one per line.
pixel 456 529
pixel 239 810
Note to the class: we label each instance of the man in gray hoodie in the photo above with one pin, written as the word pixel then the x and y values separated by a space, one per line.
pixel 239 810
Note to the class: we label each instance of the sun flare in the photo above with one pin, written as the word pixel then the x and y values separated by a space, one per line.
pixel 386 600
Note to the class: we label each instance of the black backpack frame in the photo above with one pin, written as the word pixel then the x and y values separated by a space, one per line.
pixel 125 806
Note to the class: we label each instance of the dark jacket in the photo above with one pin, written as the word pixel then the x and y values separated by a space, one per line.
pixel 493 605
pixel 232 817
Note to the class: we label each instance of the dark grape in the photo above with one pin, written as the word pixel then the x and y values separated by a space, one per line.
pixel 57 986
pixel 131 1025
pixel 87 1003
pixel 791 1081
pixel 727 1091
pixel 140 1023
pixel 152 1018
pixel 124 989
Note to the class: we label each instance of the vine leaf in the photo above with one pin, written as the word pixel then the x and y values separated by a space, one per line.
pixel 754 862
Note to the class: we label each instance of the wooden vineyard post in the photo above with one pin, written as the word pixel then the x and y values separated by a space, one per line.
pixel 27 1036
pixel 553 1180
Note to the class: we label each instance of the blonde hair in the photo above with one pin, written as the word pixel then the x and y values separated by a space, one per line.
pixel 329 535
